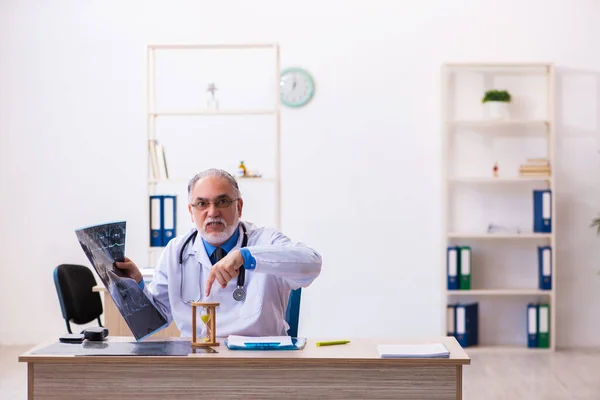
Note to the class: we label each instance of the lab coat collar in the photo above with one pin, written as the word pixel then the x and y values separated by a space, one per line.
pixel 200 251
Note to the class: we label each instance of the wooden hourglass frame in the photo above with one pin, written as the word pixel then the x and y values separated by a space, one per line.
pixel 209 322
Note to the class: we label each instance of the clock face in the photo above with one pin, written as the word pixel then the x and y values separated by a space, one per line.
pixel 297 87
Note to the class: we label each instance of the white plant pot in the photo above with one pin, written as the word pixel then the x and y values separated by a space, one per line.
pixel 496 109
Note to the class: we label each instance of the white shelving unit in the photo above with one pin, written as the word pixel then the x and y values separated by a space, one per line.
pixel 496 236
pixel 213 113
pixel 498 292
pixel 157 186
pixel 472 193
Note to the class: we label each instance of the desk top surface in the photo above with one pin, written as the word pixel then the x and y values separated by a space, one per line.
pixel 358 351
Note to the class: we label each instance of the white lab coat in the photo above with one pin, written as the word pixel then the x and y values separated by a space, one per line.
pixel 281 266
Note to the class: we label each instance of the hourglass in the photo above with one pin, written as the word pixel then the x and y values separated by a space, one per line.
pixel 208 317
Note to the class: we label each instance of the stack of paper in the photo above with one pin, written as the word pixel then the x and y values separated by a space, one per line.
pixel 429 350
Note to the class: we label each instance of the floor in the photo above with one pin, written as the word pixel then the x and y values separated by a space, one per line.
pixel 573 375
pixel 13 374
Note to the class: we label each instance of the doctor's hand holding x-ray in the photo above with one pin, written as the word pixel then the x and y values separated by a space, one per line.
pixel 249 270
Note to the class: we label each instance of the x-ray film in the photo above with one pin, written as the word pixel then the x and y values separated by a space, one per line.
pixel 103 245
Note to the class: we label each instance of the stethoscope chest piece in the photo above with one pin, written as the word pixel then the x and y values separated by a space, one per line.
pixel 239 294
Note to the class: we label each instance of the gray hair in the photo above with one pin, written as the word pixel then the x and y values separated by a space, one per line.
pixel 214 172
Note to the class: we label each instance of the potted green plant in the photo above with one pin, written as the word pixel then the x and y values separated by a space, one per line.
pixel 496 102
pixel 596 224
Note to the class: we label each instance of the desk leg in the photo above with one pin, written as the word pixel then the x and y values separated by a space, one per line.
pixel 459 382
pixel 30 380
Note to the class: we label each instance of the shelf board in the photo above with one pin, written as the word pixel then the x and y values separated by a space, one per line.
pixel 498 65
pixel 240 179
pixel 186 181
pixel 504 348
pixel 215 46
pixel 508 123
pixel 500 292
pixel 492 180
pixel 527 235
pixel 211 113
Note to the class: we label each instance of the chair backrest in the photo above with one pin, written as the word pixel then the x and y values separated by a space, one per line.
pixel 292 314
pixel 78 303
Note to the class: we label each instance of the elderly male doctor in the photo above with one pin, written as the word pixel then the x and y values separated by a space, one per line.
pixel 273 265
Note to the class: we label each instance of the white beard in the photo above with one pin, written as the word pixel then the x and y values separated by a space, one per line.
pixel 218 238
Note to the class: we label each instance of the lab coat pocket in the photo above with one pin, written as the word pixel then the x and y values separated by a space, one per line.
pixel 252 305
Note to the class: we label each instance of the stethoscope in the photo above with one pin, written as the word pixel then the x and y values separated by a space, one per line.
pixel 239 294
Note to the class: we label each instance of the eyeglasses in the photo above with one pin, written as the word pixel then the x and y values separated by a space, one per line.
pixel 219 203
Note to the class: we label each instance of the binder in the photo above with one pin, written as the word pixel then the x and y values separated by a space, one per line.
pixel 452 266
pixel 156 221
pixel 544 326
pixel 161 161
pixel 545 267
pixel 467 324
pixel 451 320
pixel 169 219
pixel 542 211
pixel 152 159
pixel 532 325
pixel 465 268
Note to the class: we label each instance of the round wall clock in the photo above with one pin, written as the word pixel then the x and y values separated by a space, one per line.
pixel 297 87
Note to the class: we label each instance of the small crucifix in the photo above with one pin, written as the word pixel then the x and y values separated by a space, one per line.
pixel 212 102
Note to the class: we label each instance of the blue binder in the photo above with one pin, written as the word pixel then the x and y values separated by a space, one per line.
pixel 156 221
pixel 545 267
pixel 453 266
pixel 169 220
pixel 532 325
pixel 542 211
pixel 467 324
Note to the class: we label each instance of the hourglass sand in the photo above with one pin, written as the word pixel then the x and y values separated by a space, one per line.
pixel 208 317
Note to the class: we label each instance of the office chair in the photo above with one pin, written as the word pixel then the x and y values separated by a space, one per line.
pixel 292 314
pixel 78 303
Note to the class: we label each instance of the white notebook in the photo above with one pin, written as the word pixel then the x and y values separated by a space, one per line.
pixel 428 350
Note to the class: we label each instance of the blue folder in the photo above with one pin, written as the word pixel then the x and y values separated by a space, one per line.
pixel 169 219
pixel 467 324
pixel 297 344
pixel 156 221
pixel 545 267
pixel 542 211
pixel 453 266
pixel 532 325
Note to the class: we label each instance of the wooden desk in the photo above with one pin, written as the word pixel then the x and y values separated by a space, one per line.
pixel 351 371
pixel 113 320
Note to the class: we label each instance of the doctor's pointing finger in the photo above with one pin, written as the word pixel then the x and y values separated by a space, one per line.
pixel 225 270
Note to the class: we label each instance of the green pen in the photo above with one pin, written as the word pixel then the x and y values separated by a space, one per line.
pixel 332 343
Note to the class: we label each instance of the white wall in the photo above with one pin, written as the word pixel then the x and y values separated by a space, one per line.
pixel 361 164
